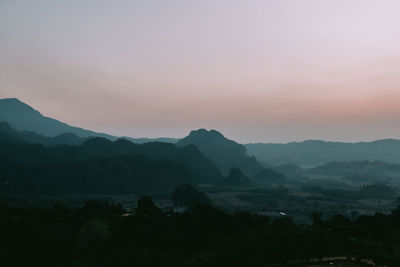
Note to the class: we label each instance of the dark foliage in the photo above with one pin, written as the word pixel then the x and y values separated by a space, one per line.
pixel 104 234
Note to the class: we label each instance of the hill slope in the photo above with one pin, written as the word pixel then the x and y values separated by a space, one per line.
pixel 7 133
pixel 223 152
pixel 202 169
pixel 267 176
pixel 23 117
pixel 314 152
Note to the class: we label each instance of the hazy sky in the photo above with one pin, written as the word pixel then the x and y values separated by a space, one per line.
pixel 271 71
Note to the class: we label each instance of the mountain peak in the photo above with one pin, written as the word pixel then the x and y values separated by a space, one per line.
pixel 10 99
pixel 15 105
pixel 209 137
pixel 205 133
pixel 23 117
pixel 224 152
pixel 13 101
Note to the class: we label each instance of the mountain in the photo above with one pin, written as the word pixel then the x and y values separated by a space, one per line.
pixel 99 166
pixel 7 133
pixel 148 140
pixel 23 117
pixel 313 153
pixel 268 176
pixel 351 174
pixel 125 174
pixel 202 169
pixel 290 170
pixel 225 153
pixel 359 171
pixel 340 168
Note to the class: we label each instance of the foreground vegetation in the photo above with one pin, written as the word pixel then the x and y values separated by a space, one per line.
pixel 103 234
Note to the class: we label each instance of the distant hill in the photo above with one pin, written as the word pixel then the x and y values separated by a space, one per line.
pixel 203 169
pixel 148 140
pixel 23 117
pixel 359 172
pixel 7 133
pixel 290 170
pixel 269 176
pixel 314 152
pixel 341 168
pixel 225 153
pixel 99 166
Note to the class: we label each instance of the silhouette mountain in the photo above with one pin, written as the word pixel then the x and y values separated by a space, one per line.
pixel 225 153
pixel 313 153
pixel 7 133
pixel 23 117
pixel 202 169
pixel 99 166
pixel 148 140
pixel 237 178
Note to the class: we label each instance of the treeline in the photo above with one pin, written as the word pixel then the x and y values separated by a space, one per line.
pixel 104 234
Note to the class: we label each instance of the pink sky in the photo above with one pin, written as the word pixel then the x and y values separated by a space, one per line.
pixel 258 71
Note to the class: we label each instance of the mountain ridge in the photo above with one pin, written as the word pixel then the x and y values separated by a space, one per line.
pixel 24 117
pixel 10 134
pixel 103 158
pixel 225 153
pixel 312 153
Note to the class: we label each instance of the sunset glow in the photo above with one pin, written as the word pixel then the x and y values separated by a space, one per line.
pixel 267 71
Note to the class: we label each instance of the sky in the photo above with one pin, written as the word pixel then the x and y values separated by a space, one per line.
pixel 257 71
